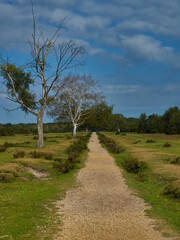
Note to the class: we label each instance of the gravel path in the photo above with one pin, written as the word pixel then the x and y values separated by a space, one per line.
pixel 102 207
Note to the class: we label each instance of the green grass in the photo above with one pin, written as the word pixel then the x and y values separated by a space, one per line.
pixel 150 185
pixel 27 205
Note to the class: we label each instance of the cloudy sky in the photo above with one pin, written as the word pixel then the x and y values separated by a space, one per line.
pixel 133 47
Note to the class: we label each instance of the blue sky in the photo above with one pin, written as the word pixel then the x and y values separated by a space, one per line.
pixel 133 48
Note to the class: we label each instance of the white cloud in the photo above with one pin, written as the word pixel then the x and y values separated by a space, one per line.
pixel 141 47
pixel 172 87
pixel 122 25
pixel 121 88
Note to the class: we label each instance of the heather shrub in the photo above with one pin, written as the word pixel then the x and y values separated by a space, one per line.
pixel 19 154
pixel 3 149
pixel 7 144
pixel 6 177
pixel 63 166
pixel 150 141
pixel 133 165
pixel 73 152
pixel 138 141
pixel 58 159
pixel 37 154
pixel 175 160
pixel 167 144
pixel 173 189
pixel 110 144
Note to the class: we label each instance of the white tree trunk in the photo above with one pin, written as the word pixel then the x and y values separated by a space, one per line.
pixel 74 129
pixel 40 142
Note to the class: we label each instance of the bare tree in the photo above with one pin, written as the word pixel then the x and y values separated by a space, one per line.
pixel 76 100
pixel 17 81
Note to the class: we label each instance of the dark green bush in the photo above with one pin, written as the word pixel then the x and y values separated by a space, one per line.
pixel 37 154
pixel 73 152
pixel 62 167
pixel 7 144
pixel 58 159
pixel 6 177
pixel 3 149
pixel 167 144
pixel 77 147
pixel 175 160
pixel 47 156
pixel 173 189
pixel 133 165
pixel 150 141
pixel 110 144
pixel 138 141
pixel 19 154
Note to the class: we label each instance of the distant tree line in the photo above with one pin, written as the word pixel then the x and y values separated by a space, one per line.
pixel 168 123
pixel 31 128
pixel 103 119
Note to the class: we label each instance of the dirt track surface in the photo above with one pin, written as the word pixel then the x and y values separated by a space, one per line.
pixel 102 207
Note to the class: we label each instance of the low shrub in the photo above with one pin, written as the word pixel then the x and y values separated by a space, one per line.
pixel 175 160
pixel 173 189
pixel 110 144
pixel 19 154
pixel 138 141
pixel 133 165
pixel 6 177
pixel 58 159
pixel 47 156
pixel 167 144
pixel 7 144
pixel 150 141
pixel 77 147
pixel 11 168
pixel 37 154
pixel 62 167
pixel 3 149
pixel 73 152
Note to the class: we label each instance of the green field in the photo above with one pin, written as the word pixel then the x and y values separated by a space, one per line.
pixel 160 173
pixel 27 203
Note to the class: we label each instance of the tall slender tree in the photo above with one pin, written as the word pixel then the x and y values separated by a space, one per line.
pixel 17 81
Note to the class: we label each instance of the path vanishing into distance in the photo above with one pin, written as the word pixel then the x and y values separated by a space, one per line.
pixel 102 207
